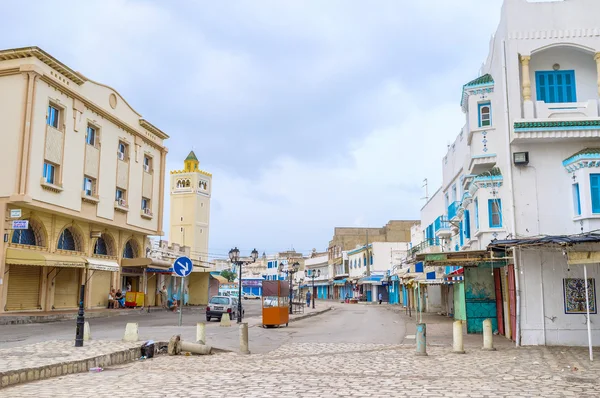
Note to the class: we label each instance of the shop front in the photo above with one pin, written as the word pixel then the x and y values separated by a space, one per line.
pixel 99 280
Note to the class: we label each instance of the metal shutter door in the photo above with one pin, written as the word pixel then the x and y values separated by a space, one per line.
pixel 100 288
pixel 66 290
pixel 23 288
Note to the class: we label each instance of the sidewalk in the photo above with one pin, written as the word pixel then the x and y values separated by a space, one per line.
pixel 56 358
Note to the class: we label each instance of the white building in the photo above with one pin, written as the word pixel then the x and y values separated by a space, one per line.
pixel 524 165
pixel 318 266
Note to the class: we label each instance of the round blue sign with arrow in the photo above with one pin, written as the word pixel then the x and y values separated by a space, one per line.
pixel 182 266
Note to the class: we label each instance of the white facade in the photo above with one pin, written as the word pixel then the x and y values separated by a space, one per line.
pixel 539 89
pixel 320 265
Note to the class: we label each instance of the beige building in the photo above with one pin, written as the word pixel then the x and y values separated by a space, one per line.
pixel 83 172
pixel 190 208
pixel 347 238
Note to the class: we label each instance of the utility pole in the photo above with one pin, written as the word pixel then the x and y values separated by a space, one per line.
pixel 368 257
pixel 426 186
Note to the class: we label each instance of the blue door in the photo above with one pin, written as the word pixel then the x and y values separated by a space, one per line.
pixel 369 296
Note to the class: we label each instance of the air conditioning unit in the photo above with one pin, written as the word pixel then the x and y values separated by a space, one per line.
pixel 121 155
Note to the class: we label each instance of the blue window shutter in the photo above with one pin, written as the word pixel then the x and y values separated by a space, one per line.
pixel 556 86
pixel 495 213
pixel 595 191
pixel 576 200
pixel 476 214
pixel 467 224
pixel 419 267
pixel 461 233
pixel 540 80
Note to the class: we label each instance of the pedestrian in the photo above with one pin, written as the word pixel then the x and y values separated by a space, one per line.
pixel 308 299
pixel 380 298
pixel 172 304
pixel 128 289
pixel 163 297
pixel 111 298
pixel 120 299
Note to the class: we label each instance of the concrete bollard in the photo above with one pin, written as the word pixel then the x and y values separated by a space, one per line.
pixel 199 349
pixel 87 333
pixel 457 338
pixel 225 320
pixel 421 339
pixel 201 333
pixel 131 332
pixel 488 342
pixel 244 349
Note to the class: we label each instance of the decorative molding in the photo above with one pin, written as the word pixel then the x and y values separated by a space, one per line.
pixel 51 187
pixel 554 34
pixel 36 52
pixel 563 125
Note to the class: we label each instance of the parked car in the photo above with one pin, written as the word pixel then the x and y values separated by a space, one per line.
pixel 251 296
pixel 219 305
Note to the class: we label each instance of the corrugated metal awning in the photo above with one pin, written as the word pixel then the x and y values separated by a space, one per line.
pixel 33 257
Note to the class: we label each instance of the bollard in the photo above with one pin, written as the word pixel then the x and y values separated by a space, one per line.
pixel 457 340
pixel 421 339
pixel 131 332
pixel 87 333
pixel 488 342
pixel 244 338
pixel 198 349
pixel 225 320
pixel 201 333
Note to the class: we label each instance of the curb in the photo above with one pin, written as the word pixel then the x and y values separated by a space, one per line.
pixel 311 315
pixel 18 376
pixel 28 319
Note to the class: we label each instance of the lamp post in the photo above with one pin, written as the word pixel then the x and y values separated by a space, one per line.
pixel 312 274
pixel 234 256
pixel 292 269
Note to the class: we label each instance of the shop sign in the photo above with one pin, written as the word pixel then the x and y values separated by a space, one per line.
pixel 20 224
pixel 15 213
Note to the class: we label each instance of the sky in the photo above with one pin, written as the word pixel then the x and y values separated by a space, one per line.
pixel 310 114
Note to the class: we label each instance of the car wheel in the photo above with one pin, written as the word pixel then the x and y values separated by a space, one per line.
pixel 208 319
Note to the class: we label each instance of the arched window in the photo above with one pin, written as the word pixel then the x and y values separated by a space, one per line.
pixel 100 247
pixel 25 237
pixel 178 183
pixel 130 249
pixel 187 183
pixel 69 240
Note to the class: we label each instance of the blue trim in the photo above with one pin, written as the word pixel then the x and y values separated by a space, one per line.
pixel 566 128
pixel 576 200
pixel 49 173
pixel 491 213
pixel 481 105
pixel 483 156
pixel 489 178
pixel 419 267
pixel 452 209
pixel 476 213
pixel 430 275
pixel 574 158
pixel 53 116
pixel 467 225
pixel 595 192
pixel 556 86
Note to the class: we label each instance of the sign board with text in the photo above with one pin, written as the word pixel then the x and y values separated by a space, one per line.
pixel 15 213
pixel 20 224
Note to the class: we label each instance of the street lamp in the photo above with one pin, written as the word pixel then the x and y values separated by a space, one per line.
pixel 312 274
pixel 234 256
pixel 292 269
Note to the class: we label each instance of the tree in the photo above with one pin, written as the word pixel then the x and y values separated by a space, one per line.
pixel 227 274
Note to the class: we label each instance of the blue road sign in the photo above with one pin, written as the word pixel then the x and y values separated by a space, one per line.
pixel 182 266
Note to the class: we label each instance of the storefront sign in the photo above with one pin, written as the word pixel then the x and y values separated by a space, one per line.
pixel 134 271
pixel 20 224
pixel 15 213
pixel 251 283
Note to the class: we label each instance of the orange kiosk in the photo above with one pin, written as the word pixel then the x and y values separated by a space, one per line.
pixel 275 303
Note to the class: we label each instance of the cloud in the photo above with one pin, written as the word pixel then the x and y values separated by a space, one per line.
pixel 310 114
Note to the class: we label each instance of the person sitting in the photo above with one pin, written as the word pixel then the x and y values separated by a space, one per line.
pixel 119 299
pixel 172 303
pixel 111 298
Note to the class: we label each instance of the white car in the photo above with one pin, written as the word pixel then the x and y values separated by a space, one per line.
pixel 250 296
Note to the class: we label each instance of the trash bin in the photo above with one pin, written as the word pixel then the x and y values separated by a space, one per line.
pixel 148 350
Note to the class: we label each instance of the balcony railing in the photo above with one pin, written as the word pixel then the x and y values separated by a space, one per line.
pixel 452 209
pixel 441 223
pixel 421 247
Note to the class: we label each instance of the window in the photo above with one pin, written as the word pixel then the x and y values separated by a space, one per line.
pixel 128 251
pixel 90 137
pixel 446 200
pixel 461 237
pixel 121 197
pixel 454 193
pixel 495 213
pixel 556 86
pixel 49 173
pixel 68 241
pixel 25 237
pixel 53 116
pixel 485 114
pixel 595 191
pixel 145 204
pixel 476 214
pixel 147 164
pixel 364 260
pixel 576 200
pixel 89 186
pixel 122 152
pixel 467 224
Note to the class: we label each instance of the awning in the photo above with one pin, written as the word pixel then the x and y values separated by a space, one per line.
pixel 102 265
pixel 42 259
pixel 136 262
pixel 465 258
pixel 373 280
pixel 339 282
pixel 557 240
pixel 220 279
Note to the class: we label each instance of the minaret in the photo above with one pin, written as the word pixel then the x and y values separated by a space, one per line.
pixel 190 207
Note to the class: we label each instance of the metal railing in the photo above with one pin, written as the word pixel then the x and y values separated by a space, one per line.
pixel 452 210
pixel 441 223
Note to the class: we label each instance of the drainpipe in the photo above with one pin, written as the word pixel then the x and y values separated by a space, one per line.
pixel 513 227
pixel 543 304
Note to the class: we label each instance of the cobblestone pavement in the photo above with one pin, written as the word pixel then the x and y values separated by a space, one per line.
pixel 54 352
pixel 329 370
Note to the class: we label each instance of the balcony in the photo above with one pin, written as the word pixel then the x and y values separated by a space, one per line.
pixel 442 227
pixel 453 210
pixel 428 246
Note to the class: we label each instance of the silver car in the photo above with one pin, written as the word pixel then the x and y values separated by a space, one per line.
pixel 219 305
